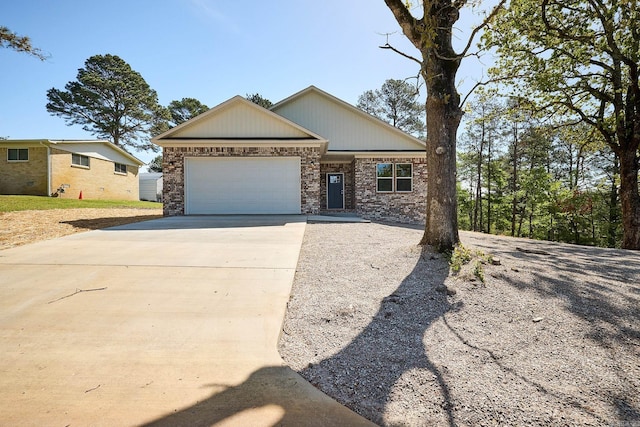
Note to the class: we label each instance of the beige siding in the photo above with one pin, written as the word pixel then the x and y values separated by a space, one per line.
pixel 239 120
pixel 99 181
pixel 345 128
pixel 29 178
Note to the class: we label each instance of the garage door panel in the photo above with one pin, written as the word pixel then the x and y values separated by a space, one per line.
pixel 242 185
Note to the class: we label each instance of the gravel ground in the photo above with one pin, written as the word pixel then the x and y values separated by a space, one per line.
pixel 22 227
pixel 552 336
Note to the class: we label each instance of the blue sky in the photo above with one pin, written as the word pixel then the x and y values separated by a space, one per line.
pixel 206 49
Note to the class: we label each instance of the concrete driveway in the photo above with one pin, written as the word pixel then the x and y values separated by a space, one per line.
pixel 168 322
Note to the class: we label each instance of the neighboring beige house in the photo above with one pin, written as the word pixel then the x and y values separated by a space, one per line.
pixel 310 153
pixel 41 167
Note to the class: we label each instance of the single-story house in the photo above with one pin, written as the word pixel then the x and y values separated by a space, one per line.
pixel 309 153
pixel 41 167
pixel 151 186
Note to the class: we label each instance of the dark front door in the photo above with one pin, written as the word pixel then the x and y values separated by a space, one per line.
pixel 335 191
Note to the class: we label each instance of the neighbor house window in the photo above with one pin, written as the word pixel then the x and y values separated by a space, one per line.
pixel 384 172
pixel 120 168
pixel 18 154
pixel 396 177
pixel 404 177
pixel 79 160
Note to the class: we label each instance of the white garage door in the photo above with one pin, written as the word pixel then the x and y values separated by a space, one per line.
pixel 242 185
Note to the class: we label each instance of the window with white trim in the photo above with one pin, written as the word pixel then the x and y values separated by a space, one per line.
pixel 18 154
pixel 79 160
pixel 120 168
pixel 404 177
pixel 384 173
pixel 394 177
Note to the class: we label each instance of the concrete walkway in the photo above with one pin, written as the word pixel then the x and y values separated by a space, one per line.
pixel 167 322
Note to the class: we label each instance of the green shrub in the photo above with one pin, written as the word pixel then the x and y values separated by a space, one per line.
pixel 459 257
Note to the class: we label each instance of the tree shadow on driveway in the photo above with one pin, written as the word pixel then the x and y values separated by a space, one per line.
pixel 100 223
pixel 598 290
pixel 363 374
pixel 273 395
pixel 365 370
pixel 484 361
pixel 479 356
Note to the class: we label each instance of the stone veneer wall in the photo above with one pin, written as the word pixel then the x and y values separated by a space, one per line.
pixel 347 169
pixel 173 172
pixel 401 207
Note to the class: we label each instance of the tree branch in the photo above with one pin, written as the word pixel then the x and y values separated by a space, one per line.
pixel 484 23
pixel 559 31
pixel 399 52
pixel 407 22
pixel 486 83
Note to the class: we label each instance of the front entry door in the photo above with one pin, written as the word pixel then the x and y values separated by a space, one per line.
pixel 335 191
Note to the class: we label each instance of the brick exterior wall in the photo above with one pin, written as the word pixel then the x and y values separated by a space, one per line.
pixel 29 178
pixel 99 181
pixel 173 172
pixel 349 185
pixel 398 207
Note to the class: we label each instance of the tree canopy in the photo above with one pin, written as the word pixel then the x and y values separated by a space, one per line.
pixel 9 39
pixel 256 98
pixel 155 165
pixel 185 109
pixel 526 176
pixel 581 59
pixel 112 101
pixel 396 103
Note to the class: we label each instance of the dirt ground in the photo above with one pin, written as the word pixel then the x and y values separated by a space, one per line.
pixel 23 227
pixel 551 337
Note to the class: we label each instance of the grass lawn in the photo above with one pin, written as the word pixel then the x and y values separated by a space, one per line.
pixel 25 203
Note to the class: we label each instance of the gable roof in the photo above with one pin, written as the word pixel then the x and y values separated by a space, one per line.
pixel 98 148
pixel 346 127
pixel 237 120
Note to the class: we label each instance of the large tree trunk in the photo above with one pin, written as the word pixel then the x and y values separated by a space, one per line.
pixel 441 228
pixel 443 119
pixel 630 198
pixel 432 36
pixel 628 133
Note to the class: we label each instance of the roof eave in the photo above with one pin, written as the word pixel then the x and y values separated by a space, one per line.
pixel 103 142
pixel 240 142
pixel 54 142
pixel 398 154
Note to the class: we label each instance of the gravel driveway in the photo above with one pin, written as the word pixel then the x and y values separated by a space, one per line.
pixel 552 336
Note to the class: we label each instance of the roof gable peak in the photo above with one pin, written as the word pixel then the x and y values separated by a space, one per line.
pixel 237 118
